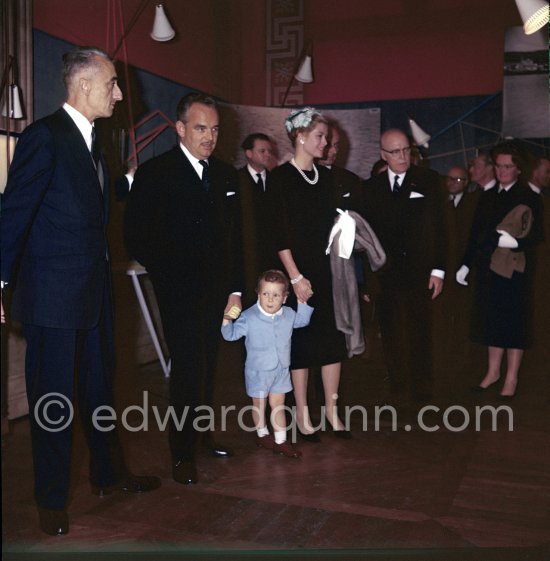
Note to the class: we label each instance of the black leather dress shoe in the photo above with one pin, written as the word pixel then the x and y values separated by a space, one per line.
pixel 185 472
pixel 53 522
pixel 216 449
pixel 130 484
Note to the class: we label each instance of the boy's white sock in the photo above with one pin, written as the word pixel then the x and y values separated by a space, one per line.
pixel 262 431
pixel 280 436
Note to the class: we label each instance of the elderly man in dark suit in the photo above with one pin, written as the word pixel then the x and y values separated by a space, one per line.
pixel 56 262
pixel 183 224
pixel 405 208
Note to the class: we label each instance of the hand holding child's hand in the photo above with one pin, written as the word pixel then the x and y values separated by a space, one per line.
pixel 233 313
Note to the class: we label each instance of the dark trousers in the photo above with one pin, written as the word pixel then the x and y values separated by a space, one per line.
pixel 62 367
pixel 405 326
pixel 191 323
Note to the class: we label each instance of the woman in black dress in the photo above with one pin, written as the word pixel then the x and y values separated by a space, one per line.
pixel 502 298
pixel 303 201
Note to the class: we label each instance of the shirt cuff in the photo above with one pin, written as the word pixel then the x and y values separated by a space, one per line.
pixel 438 273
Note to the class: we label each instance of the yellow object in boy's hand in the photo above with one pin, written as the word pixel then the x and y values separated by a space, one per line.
pixel 233 313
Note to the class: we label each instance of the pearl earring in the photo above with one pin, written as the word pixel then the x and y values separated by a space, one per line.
pixel 302 141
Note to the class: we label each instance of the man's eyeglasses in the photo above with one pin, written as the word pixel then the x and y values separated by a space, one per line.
pixel 398 151
pixel 457 179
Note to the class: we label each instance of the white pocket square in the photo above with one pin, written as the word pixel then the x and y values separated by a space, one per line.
pixel 229 193
pixel 415 195
pixel 346 195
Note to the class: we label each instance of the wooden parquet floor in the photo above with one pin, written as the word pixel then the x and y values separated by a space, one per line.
pixel 391 493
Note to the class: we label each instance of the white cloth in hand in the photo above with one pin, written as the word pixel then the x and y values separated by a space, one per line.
pixel 506 240
pixel 346 225
pixel 461 275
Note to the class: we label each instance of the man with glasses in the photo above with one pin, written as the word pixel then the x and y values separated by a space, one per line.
pixel 455 304
pixel 404 205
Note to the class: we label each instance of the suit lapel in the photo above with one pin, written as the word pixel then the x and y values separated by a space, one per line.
pixel 409 185
pixel 76 145
pixel 75 141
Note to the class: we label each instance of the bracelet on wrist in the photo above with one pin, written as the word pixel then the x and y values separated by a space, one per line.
pixel 297 279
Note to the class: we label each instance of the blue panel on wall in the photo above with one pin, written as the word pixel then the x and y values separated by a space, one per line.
pixel 452 145
pixel 149 92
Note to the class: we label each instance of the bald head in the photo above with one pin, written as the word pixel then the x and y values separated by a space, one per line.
pixel 456 180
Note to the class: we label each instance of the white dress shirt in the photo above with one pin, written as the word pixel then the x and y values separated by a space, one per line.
pixel 392 176
pixel 194 161
pixel 255 173
pixel 84 126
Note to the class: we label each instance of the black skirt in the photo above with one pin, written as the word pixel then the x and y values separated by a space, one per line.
pixel 502 311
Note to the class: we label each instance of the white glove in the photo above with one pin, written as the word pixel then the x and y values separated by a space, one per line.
pixel 506 240
pixel 461 275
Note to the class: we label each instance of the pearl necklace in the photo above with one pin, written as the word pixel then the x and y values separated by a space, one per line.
pixel 310 181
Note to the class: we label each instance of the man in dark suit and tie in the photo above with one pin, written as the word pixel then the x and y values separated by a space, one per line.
pixel 405 208
pixel 55 261
pixel 183 224
pixel 254 185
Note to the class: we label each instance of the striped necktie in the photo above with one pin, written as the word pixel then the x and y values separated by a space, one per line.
pixel 396 185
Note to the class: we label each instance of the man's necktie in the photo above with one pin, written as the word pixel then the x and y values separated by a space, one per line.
pixel 95 152
pixel 396 186
pixel 205 176
pixel 95 148
pixel 260 182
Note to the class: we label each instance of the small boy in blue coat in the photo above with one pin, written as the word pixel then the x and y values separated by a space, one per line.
pixel 267 327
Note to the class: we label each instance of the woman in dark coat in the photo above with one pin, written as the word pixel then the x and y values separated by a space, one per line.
pixel 507 225
pixel 304 209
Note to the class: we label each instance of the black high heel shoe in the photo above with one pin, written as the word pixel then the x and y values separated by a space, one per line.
pixel 479 389
pixel 309 437
pixel 343 434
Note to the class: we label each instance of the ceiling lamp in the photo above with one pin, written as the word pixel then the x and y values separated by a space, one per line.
pixel 162 30
pixel 534 14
